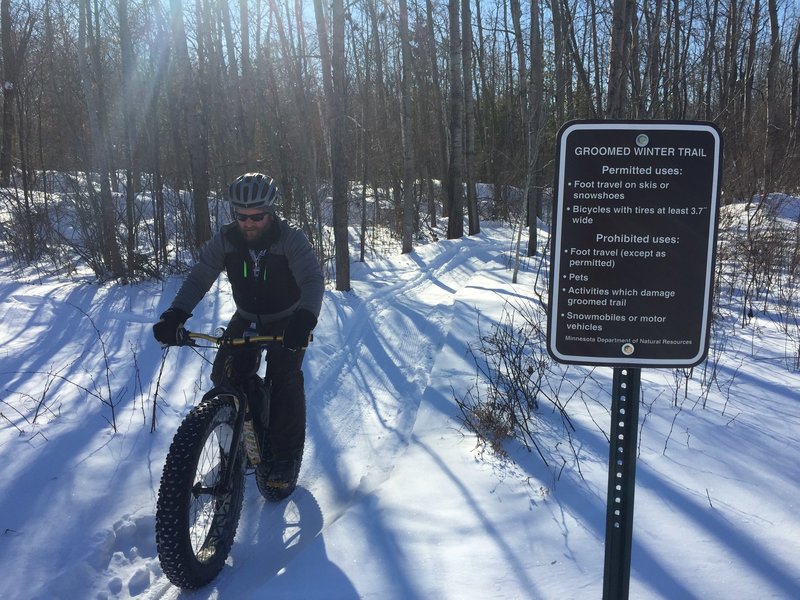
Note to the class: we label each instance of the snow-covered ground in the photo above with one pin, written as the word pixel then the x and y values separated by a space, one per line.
pixel 396 499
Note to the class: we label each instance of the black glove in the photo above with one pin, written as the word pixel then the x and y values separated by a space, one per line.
pixel 166 330
pixel 300 324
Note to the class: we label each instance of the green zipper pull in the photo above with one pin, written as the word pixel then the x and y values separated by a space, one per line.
pixel 244 269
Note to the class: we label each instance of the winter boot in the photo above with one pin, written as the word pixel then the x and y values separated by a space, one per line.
pixel 277 479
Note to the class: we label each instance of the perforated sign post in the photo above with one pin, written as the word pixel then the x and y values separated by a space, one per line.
pixel 635 210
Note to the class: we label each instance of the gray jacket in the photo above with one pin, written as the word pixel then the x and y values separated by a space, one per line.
pixel 283 280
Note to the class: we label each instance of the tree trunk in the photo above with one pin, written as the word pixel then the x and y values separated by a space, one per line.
pixel 9 91
pixel 338 159
pixel 596 53
pixel 749 71
pixel 771 156
pixel 128 138
pixel 729 72
pixel 407 133
pixel 525 118
pixel 536 126
pixel 473 219
pixel 159 65
pixel 333 61
pixel 653 13
pixel 583 77
pixel 622 15
pixel 709 58
pixel 794 110
pixel 455 225
pixel 367 124
pixel 559 58
pixel 676 61
pixel 439 109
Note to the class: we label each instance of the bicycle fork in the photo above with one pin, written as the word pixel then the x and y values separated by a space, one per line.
pixel 242 430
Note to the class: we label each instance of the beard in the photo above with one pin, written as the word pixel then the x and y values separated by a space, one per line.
pixel 259 239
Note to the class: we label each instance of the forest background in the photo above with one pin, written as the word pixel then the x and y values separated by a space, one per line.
pixel 411 118
pixel 160 103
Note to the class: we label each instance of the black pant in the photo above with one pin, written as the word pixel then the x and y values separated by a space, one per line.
pixel 287 416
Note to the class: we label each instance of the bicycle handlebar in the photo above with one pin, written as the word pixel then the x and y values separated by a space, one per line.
pixel 190 337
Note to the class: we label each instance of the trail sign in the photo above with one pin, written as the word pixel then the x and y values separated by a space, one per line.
pixel 635 211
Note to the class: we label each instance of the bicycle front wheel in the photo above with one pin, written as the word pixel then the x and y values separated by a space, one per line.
pixel 197 513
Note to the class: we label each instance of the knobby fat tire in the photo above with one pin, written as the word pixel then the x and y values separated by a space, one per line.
pixel 185 566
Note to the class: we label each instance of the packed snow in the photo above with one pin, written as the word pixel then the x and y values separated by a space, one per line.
pixel 396 499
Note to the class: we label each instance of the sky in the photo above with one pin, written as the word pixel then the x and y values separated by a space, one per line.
pixel 396 498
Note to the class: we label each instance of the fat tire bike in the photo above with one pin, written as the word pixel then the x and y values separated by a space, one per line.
pixel 202 485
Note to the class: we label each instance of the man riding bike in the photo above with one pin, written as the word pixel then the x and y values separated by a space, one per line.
pixel 277 287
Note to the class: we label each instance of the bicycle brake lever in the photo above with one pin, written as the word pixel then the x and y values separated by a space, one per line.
pixel 182 337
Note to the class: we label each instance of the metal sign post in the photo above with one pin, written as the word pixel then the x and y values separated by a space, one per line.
pixel 635 211
pixel 621 482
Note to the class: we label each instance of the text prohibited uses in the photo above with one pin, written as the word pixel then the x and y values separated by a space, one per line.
pixel 635 217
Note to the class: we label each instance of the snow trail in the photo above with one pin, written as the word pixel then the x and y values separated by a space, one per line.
pixel 363 397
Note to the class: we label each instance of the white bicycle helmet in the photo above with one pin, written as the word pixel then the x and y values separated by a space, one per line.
pixel 253 190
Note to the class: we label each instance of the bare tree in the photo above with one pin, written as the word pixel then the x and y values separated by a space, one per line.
pixel 159 65
pixel 333 64
pixel 585 87
pixel 192 108
pixel 622 16
pixel 9 90
pixel 560 61
pixel 650 91
pixel 771 155
pixel 455 200
pixel 440 111
pixel 94 89
pixel 407 129
pixel 338 158
pixel 129 136
pixel 14 49
pixel 794 110
pixel 535 126
pixel 749 70
pixel 473 218
pixel 220 90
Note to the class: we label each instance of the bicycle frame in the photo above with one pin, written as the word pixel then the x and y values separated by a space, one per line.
pixel 243 428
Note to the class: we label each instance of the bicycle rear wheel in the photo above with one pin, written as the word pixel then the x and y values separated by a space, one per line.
pixel 197 514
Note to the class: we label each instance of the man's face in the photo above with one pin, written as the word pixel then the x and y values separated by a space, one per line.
pixel 253 222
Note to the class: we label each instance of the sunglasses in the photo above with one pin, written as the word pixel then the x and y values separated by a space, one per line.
pixel 256 217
